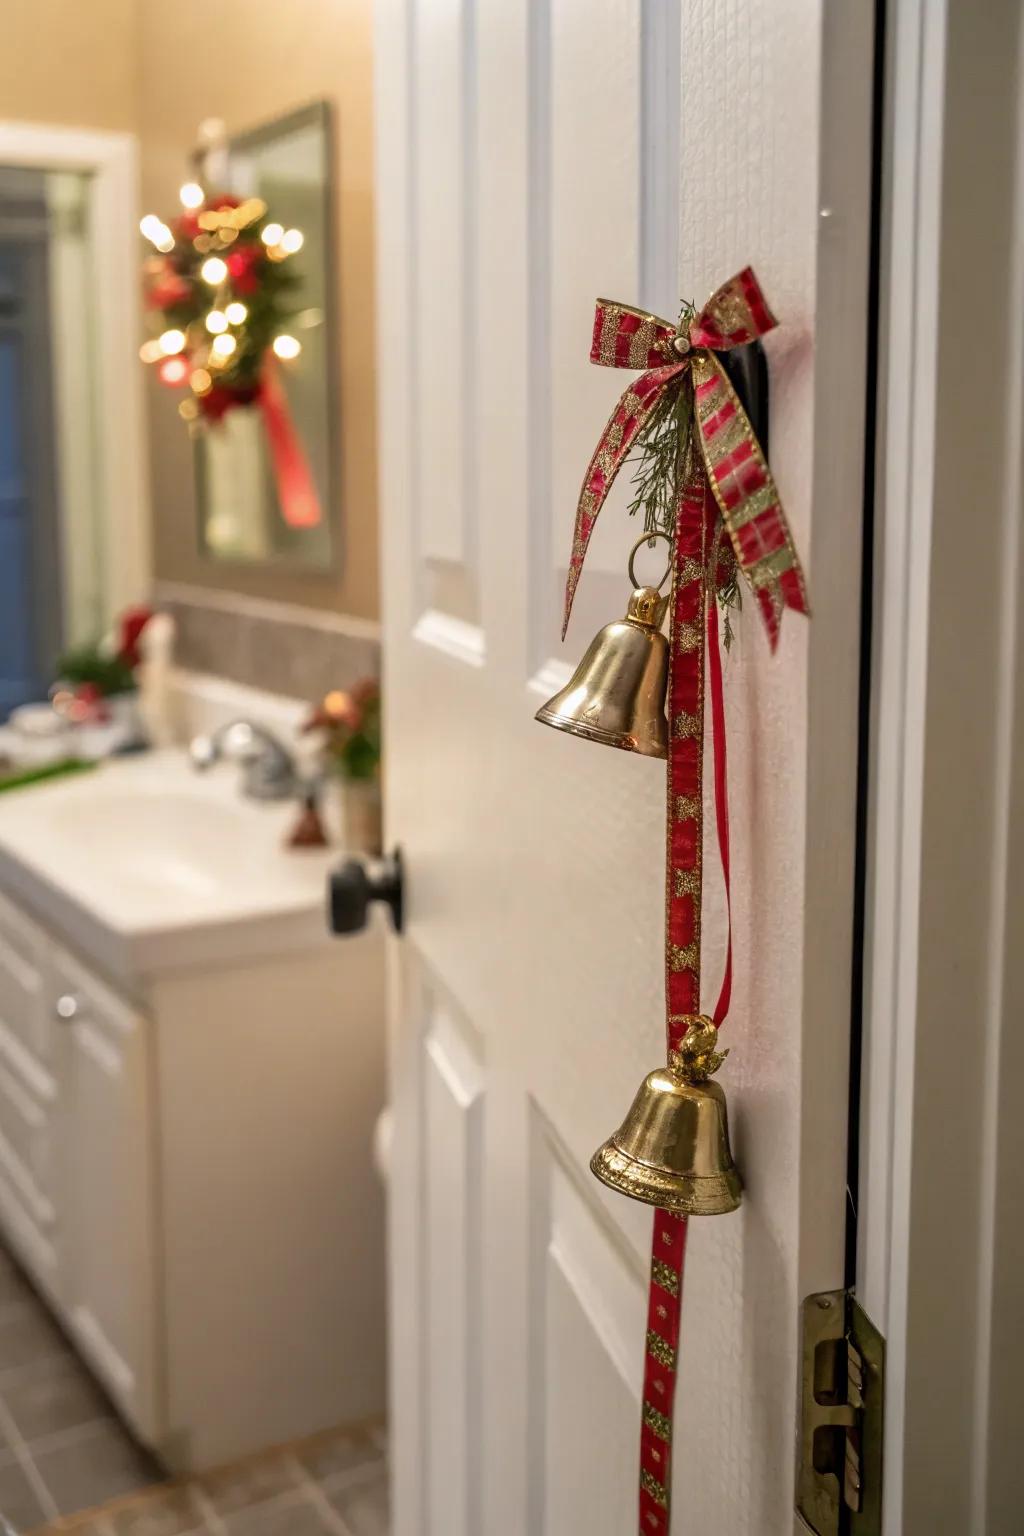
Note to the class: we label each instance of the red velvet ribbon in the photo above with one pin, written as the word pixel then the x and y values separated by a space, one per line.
pixel 293 477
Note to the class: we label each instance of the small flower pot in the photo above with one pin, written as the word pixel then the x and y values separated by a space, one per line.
pixel 361 815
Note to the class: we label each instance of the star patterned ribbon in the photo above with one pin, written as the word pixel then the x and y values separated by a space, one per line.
pixel 727 488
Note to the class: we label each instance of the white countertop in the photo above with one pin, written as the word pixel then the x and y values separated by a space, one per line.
pixel 146 865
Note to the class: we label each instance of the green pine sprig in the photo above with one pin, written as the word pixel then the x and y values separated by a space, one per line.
pixel 661 460
pixel 661 451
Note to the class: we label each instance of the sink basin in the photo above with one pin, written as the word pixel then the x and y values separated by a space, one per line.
pixel 159 865
pixel 165 841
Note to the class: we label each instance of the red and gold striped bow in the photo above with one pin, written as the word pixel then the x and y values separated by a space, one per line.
pixel 736 469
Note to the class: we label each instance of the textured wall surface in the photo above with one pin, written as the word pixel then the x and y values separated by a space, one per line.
pixel 69 64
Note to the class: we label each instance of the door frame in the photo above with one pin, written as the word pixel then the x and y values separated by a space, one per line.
pixel 941 1150
pixel 111 161
pixel 27 232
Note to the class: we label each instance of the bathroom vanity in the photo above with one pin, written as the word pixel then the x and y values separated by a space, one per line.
pixel 190 1074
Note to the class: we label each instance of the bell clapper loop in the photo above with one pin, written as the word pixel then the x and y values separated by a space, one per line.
pixel 696 1058
pixel 648 539
pixel 672 1150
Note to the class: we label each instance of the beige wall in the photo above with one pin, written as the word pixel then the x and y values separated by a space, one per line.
pixel 158 69
pixel 248 62
pixel 69 62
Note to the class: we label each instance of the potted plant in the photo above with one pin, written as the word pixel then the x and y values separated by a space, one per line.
pixel 96 682
pixel 350 724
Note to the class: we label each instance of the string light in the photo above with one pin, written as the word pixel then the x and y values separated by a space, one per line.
pixel 292 241
pixel 216 322
pixel 171 341
pixel 236 312
pixel 157 233
pixel 213 271
pixel 192 195
pixel 271 234
pixel 201 382
pixel 151 351
pixel 173 370
pixel 248 212
pixel 287 346
pixel 224 345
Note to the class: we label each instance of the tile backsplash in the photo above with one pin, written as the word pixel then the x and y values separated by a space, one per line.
pixel 279 647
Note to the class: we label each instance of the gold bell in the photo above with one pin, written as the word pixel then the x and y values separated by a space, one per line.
pixel 617 693
pixel 672 1149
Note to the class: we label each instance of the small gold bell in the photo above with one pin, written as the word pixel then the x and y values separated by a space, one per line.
pixel 672 1149
pixel 617 693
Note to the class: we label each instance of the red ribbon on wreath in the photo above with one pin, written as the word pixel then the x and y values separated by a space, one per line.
pixel 296 488
pixel 727 492
pixel 293 477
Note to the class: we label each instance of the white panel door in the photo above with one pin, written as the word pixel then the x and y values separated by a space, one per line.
pixel 532 155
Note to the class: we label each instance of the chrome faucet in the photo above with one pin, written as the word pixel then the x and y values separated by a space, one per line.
pixel 268 768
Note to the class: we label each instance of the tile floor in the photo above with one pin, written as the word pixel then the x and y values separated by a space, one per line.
pixel 62 1451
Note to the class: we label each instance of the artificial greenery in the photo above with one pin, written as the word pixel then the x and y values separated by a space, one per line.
pixel 87 664
pixel 660 458
pixel 258 275
pixel 352 725
pixel 662 462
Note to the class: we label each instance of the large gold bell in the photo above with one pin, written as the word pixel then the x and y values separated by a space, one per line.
pixel 672 1149
pixel 617 693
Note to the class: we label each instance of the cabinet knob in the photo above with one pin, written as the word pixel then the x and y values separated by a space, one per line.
pixel 356 883
pixel 66 1007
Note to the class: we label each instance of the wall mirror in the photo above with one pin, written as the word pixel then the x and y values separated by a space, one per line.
pixel 248 464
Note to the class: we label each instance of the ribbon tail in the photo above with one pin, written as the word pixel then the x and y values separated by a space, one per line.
pixel 634 410
pixel 747 496
pixel 695 519
pixel 664 1319
pixel 721 793
pixel 296 488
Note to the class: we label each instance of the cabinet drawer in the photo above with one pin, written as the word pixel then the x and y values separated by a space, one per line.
pixel 25 1146
pixel 23 1011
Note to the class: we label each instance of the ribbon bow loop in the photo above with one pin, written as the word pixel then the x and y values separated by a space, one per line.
pixel 734 465
pixel 735 314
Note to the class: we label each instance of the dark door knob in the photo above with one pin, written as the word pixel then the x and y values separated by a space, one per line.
pixel 747 368
pixel 356 883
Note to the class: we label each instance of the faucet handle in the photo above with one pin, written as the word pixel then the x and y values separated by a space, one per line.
pixel 268 769
pixel 202 752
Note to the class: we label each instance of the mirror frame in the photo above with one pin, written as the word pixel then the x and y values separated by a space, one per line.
pixel 320 113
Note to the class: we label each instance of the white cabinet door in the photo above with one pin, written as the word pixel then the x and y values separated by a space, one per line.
pixel 103 1136
pixel 533 155
pixel 27 1092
